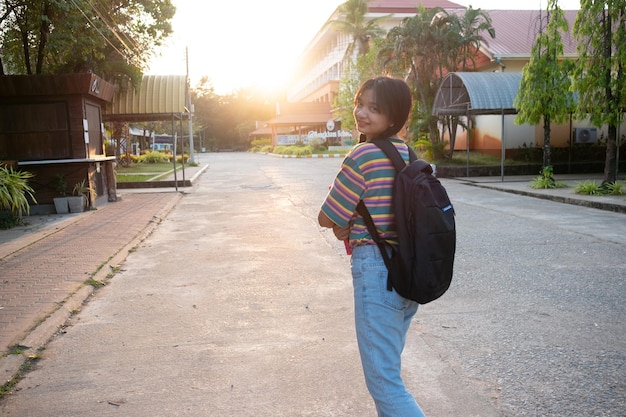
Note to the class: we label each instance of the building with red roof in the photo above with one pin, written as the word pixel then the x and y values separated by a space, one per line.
pixel 321 64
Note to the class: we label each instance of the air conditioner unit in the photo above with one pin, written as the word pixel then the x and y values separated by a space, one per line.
pixel 585 135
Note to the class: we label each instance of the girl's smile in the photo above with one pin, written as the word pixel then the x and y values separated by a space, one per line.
pixel 369 120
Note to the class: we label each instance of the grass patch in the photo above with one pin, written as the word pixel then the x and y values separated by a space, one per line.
pixel 10 385
pixel 133 178
pixel 146 168
pixel 95 283
pixel 142 172
pixel 17 349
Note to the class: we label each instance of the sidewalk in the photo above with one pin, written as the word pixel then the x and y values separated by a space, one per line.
pixel 47 265
pixel 519 185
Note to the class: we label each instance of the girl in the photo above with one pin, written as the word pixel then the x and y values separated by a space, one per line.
pixel 381 109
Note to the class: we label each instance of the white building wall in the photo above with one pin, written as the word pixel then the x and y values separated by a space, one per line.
pixel 515 136
pixel 325 54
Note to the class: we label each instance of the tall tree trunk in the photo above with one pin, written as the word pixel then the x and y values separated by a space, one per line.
pixel 24 35
pixel 546 141
pixel 610 163
pixel 44 31
pixel 454 126
pixel 435 138
pixel 610 168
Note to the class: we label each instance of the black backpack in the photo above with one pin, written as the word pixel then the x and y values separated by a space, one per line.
pixel 420 268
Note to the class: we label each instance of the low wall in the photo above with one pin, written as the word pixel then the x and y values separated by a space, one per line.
pixel 524 169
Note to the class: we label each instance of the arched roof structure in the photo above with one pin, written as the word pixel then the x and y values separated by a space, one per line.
pixel 159 97
pixel 474 93
pixel 478 93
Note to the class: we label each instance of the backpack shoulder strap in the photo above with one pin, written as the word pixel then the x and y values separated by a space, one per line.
pixel 382 244
pixel 392 153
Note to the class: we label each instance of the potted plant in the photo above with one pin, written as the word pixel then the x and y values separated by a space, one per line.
pixel 60 203
pixel 81 197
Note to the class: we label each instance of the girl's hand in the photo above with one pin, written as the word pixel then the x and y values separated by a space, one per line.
pixel 341 233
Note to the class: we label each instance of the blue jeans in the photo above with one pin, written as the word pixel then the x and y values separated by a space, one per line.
pixel 382 321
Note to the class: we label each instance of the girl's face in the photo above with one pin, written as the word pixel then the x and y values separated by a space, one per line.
pixel 369 120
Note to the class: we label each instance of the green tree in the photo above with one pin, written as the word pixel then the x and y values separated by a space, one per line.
pixel 225 121
pixel 355 23
pixel 600 29
pixel 418 49
pixel 467 31
pixel 112 38
pixel 465 38
pixel 354 74
pixel 364 32
pixel 544 92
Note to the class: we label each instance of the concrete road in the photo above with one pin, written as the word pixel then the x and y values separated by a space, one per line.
pixel 240 305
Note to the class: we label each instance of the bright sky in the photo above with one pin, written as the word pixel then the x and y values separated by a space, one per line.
pixel 255 43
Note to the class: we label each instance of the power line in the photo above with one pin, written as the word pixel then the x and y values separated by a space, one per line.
pixel 115 29
pixel 102 34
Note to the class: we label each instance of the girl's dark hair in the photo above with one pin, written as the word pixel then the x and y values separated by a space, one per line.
pixel 393 98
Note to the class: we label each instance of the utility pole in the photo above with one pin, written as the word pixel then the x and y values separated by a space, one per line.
pixel 190 110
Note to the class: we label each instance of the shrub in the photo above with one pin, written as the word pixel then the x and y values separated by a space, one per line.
pixel 127 159
pixel 318 145
pixel 154 157
pixel 257 145
pixel 294 150
pixel 546 180
pixel 594 188
pixel 282 150
pixel 15 192
pixel 588 188
pixel 613 188
pixel 424 149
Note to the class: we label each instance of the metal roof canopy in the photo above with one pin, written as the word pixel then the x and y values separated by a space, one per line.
pixel 478 93
pixel 159 97
pixel 475 93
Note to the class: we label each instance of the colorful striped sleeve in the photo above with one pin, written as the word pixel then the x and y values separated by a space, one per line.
pixel 365 174
pixel 345 193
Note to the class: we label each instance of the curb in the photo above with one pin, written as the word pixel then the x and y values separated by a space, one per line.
pixel 38 337
pixel 565 200
pixel 169 183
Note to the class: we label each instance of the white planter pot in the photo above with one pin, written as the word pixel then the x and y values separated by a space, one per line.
pixel 77 204
pixel 61 205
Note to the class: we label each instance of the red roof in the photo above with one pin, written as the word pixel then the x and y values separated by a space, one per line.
pixel 409 6
pixel 516 31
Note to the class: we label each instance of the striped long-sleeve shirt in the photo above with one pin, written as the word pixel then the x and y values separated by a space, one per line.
pixel 365 174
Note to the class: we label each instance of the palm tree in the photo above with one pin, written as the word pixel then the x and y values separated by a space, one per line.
pixel 414 50
pixel 466 36
pixel 424 48
pixel 353 22
pixel 469 29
